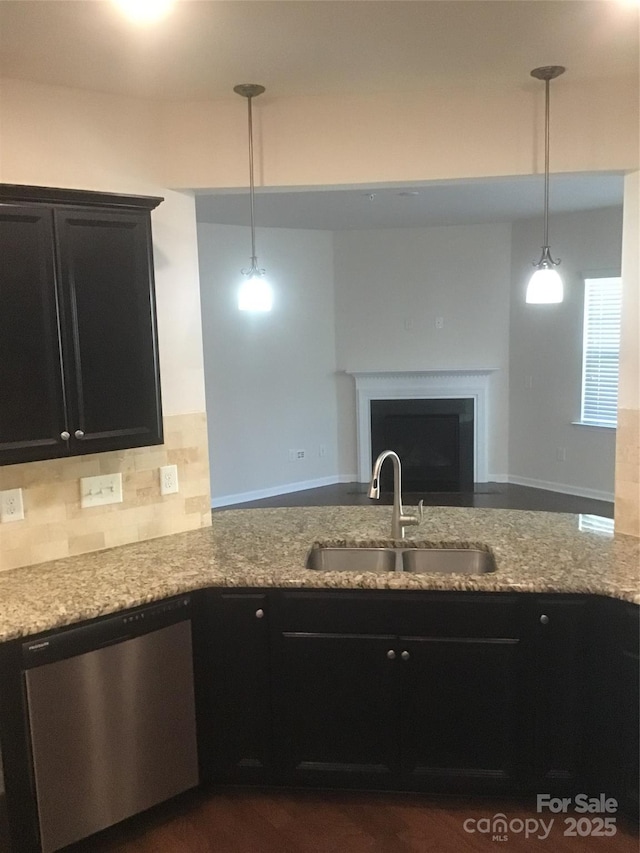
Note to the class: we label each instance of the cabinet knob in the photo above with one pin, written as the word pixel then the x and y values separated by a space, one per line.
pixel 79 434
pixel 544 620
pixel 260 614
pixel 405 655
pixel 65 436
pixel 391 654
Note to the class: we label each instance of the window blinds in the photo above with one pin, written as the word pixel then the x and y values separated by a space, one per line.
pixel 601 351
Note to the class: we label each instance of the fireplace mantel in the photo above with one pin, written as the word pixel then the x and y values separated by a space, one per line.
pixel 423 384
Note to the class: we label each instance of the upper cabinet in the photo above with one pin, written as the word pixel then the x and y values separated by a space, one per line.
pixel 78 341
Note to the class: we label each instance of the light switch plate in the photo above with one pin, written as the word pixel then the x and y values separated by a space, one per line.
pixel 101 490
pixel 11 506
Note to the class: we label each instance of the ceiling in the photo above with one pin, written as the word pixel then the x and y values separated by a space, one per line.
pixel 204 47
pixel 439 203
pixel 306 47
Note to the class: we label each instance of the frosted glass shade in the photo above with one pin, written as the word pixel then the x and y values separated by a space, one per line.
pixel 255 294
pixel 545 286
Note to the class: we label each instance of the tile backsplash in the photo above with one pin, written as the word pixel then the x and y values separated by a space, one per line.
pixel 55 526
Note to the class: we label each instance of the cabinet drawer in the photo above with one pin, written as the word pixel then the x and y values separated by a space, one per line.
pixel 461 615
pixel 407 613
pixel 339 611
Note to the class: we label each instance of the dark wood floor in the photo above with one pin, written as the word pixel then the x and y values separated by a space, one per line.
pixel 494 495
pixel 235 821
pixel 251 821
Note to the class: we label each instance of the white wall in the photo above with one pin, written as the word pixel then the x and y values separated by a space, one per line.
pixel 270 378
pixel 628 433
pixel 56 137
pixel 546 358
pixel 390 287
pixel 441 132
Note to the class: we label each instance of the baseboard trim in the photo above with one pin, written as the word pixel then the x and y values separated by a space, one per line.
pixel 284 489
pixel 577 491
pixel 498 478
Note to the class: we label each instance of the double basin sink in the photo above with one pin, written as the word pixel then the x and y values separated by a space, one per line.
pixel 471 559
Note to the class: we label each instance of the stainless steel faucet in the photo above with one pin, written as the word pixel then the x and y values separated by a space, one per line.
pixel 398 516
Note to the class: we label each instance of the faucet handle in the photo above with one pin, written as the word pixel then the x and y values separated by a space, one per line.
pixel 413 519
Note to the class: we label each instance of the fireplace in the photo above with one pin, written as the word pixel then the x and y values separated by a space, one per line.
pixel 435 386
pixel 434 439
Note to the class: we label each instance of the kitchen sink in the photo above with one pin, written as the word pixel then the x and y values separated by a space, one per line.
pixel 352 559
pixel 472 560
pixel 459 561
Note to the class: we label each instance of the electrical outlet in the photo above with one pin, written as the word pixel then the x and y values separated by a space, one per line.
pixel 300 454
pixel 292 456
pixel 322 450
pixel 561 454
pixel 101 490
pixel 169 479
pixel 11 506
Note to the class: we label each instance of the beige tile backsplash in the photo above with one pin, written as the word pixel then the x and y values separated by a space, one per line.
pixel 55 525
pixel 627 505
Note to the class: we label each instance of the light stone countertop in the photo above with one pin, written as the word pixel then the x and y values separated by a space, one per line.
pixel 534 552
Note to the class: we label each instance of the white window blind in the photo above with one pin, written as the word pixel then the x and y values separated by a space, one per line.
pixel 601 351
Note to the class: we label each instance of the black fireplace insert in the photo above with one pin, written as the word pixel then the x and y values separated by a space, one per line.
pixel 432 437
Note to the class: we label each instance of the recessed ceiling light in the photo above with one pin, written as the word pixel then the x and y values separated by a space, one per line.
pixel 145 11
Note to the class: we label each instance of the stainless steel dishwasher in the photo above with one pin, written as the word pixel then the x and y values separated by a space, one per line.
pixel 111 716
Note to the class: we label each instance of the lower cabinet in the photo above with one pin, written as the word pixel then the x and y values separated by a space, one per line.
pixel 621 702
pixel 559 691
pixel 336 709
pixel 437 691
pixel 461 709
pixel 233 675
pixel 421 692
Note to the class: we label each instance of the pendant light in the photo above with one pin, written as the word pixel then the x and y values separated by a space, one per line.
pixel 545 285
pixel 255 292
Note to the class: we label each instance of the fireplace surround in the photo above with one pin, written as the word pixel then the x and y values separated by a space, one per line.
pixel 442 384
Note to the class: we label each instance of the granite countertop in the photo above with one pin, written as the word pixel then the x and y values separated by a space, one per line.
pixel 534 552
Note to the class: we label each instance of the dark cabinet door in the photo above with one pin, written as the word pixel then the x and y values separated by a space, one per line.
pixel 109 339
pixel 626 669
pixel 235 725
pixel 337 710
pixel 559 700
pixel 32 412
pixel 461 712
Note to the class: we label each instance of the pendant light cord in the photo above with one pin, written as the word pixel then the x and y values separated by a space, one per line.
pixel 546 163
pixel 254 260
pixel 546 73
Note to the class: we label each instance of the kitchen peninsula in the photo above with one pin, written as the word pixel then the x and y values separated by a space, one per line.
pixel 534 551
pixel 510 682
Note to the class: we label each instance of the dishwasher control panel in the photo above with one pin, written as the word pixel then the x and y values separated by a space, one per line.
pixel 157 611
pixel 104 631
